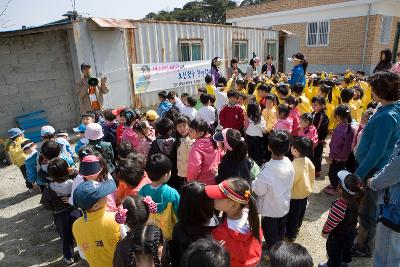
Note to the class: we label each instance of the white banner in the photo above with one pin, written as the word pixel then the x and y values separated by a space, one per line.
pixel 162 76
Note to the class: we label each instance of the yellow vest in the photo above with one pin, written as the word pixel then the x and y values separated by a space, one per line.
pixel 165 220
pixel 304 178
pixel 304 106
pixel 210 89
pixel 271 117
pixel 17 156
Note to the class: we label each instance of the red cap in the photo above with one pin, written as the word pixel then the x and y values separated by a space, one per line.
pixel 223 191
pixel 117 111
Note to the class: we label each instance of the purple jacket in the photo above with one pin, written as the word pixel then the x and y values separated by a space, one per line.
pixel 341 142
pixel 215 74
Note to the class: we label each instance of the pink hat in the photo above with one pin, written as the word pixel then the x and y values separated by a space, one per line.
pixel 94 131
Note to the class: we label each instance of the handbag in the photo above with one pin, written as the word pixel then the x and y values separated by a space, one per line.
pixel 389 213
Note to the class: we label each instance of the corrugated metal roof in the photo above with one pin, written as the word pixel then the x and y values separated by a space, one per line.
pixel 55 25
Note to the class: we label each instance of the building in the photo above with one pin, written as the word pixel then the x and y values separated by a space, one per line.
pixel 333 34
pixel 40 65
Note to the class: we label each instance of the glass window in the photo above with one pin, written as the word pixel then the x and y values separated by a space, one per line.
pixel 240 50
pixel 270 48
pixel 318 33
pixel 191 50
pixel 386 29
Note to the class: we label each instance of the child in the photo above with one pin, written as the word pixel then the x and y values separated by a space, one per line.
pixel 171 98
pixel 251 86
pixel 82 140
pixel 184 97
pixel 151 117
pixel 96 233
pixel 206 112
pixel 287 254
pixel 87 118
pixel 110 129
pixel 206 252
pixel 357 102
pixel 304 103
pixel 221 98
pixel 48 133
pixel 188 110
pixel 303 185
pixel 308 129
pixel 164 105
pixel 184 144
pixel 119 113
pixel 241 86
pixel 131 177
pixel 321 122
pixel 63 140
pixel 16 152
pixel 282 92
pixel 340 227
pixel 284 121
pixel 358 134
pixel 241 229
pixel 294 113
pixel 209 85
pixel 326 92
pixel 204 156
pixel 273 187
pixel 124 149
pixel 31 164
pixel 146 135
pixel 262 93
pixel 347 96
pixel 196 220
pixel 340 146
pixel 63 218
pixel 255 131
pixel 158 168
pixel 200 91
pixel 232 115
pixel 269 112
pixel 242 101
pixel 131 118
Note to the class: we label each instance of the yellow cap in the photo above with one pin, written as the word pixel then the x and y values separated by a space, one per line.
pixel 151 115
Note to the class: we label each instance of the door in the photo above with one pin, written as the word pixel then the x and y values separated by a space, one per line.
pixel 292 46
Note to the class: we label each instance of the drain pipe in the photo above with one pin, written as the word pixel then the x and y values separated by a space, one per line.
pixel 365 38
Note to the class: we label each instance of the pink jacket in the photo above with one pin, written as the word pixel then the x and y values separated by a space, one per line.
pixel 285 124
pixel 310 132
pixel 295 116
pixel 203 161
pixel 130 136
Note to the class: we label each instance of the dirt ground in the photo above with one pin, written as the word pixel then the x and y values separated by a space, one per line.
pixel 28 237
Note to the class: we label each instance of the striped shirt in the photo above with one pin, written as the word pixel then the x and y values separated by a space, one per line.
pixel 336 215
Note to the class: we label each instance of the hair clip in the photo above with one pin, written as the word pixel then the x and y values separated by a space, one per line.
pixel 84 152
pixel 247 194
pixel 120 216
pixel 151 204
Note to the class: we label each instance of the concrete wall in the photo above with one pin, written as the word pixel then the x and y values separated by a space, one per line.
pixel 36 73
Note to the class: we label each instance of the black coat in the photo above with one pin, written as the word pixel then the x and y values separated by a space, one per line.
pixel 321 122
pixel 230 167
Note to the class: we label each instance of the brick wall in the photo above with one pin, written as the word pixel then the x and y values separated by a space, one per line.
pixel 36 73
pixel 276 6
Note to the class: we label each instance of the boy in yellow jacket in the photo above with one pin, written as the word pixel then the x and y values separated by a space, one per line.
pixel 17 154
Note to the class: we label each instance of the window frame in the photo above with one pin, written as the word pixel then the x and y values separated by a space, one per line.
pixel 240 41
pixel 389 32
pixel 318 43
pixel 276 43
pixel 190 42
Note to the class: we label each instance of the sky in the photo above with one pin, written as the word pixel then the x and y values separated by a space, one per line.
pixel 38 12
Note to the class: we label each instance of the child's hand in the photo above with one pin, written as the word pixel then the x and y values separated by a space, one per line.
pixel 328 160
pixel 65 200
pixel 369 182
pixel 324 235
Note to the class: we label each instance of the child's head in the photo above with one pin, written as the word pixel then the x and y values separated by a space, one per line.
pixel 283 91
pixel 324 90
pixel 205 99
pixel 208 79
pixel 158 168
pixel 109 116
pixel 162 96
pixel 288 254
pixel 182 125
pixel 195 207
pixel 206 252
pixel 349 188
pixel 232 142
pixel 91 167
pixel 87 118
pixel 240 84
pixel 58 170
pixel 346 95
pixel 298 89
pixel 292 101
pixel 131 116
pixel 251 99
pixel 14 133
pixel 231 196
pixel 171 96
pixel 28 147
pixel 124 149
pixel 141 129
pixel 251 86
pixel 254 112
pixel 358 93
pixel 233 97
pixel 47 133
pixel 372 105
pixel 212 100
pixel 131 170
pixel 263 90
pixel 279 142
pixel 164 127
pixel 302 147
pixel 184 98
pixel 271 100
pixel 342 114
pixel 90 196
pixel 62 133
pixel 80 130
pixel 318 103
pixel 50 150
pixel 85 151
pixel 198 129
pixel 241 99
pixel 191 101
pixel 151 116
pixel 94 132
pixel 222 82
pixel 306 120
pixel 119 113
pixel 172 114
pixel 283 111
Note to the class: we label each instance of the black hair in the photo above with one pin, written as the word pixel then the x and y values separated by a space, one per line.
pixel 124 149
pixel 90 115
pixel 251 86
pixel 360 92
pixel 58 169
pixel 239 147
pixel 288 254
pixel 386 85
pixel 212 99
pixel 253 62
pixel 273 98
pixel 204 98
pixel 49 137
pixel 202 90
pixel 241 82
pixel 264 88
pixel 157 166
pixel 315 82
pixel 372 105
pixel 50 150
pixel 25 143
pixel 182 119
pixel 131 170
pixel 85 151
pixel 346 95
pixel 108 115
pixel 164 127
pixel 307 117
pixel 283 89
pixel 141 127
pixel 171 95
pixel 206 252
pixel 223 81
pixel 361 72
pixel 234 61
pixel 251 99
pixel 172 114
pixel 233 93
pixel 284 110
pixel 208 79
pixel 191 101
pixel 342 111
pixel 184 95
pixel 201 126
pixel 304 146
pixel 138 211
pixel 195 207
pixel 131 115
pixel 298 89
pixel 243 96
pixel 162 94
pixel 213 66
pixel 304 61
pixel 292 101
pixel 351 182
pixel 279 142
pixel 254 112
pixel 269 57
pixel 320 100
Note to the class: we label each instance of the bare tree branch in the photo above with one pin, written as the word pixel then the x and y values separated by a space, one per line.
pixel 3 11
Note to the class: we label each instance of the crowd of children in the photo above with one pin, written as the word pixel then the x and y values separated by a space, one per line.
pixel 160 188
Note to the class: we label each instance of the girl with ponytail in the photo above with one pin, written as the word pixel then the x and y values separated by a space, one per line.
pixel 241 229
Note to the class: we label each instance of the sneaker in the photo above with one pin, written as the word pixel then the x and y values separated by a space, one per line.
pixel 357 253
pixel 68 261
pixel 330 191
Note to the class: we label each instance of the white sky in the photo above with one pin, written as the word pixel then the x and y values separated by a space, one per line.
pixel 38 12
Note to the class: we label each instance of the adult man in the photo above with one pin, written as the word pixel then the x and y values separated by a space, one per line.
pixel 90 91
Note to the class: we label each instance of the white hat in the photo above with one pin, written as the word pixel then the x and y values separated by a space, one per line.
pixel 47 130
pixel 342 175
pixel 94 131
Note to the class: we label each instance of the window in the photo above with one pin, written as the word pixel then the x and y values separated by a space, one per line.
pixel 240 50
pixel 270 48
pixel 191 50
pixel 385 29
pixel 318 33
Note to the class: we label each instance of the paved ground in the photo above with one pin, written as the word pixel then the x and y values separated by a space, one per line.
pixel 28 237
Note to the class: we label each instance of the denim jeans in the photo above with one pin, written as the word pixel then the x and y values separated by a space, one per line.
pixel 387 247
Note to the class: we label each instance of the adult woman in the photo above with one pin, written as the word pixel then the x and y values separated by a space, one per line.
pixel 376 145
pixel 300 65
pixel 268 68
pixel 251 71
pixel 387 249
pixel 385 62
pixel 396 67
pixel 234 69
pixel 215 70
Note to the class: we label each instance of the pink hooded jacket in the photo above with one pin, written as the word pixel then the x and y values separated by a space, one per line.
pixel 203 161
pixel 310 132
pixel 285 124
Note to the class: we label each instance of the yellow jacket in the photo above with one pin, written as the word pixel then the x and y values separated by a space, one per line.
pixel 17 156
pixel 305 105
pixel 210 89
pixel 97 237
pixel 353 110
pixel 367 95
pixel 359 109
pixel 271 117
pixel 329 113
pixel 304 178
pixel 335 96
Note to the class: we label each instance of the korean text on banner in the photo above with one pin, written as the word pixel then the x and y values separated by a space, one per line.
pixel 162 76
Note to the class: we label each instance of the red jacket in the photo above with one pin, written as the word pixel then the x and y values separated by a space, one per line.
pixel 244 249
pixel 120 131
pixel 232 117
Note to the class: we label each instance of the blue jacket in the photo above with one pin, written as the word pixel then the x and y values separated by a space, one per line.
pixel 31 164
pixel 378 139
pixel 163 107
pixel 297 76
